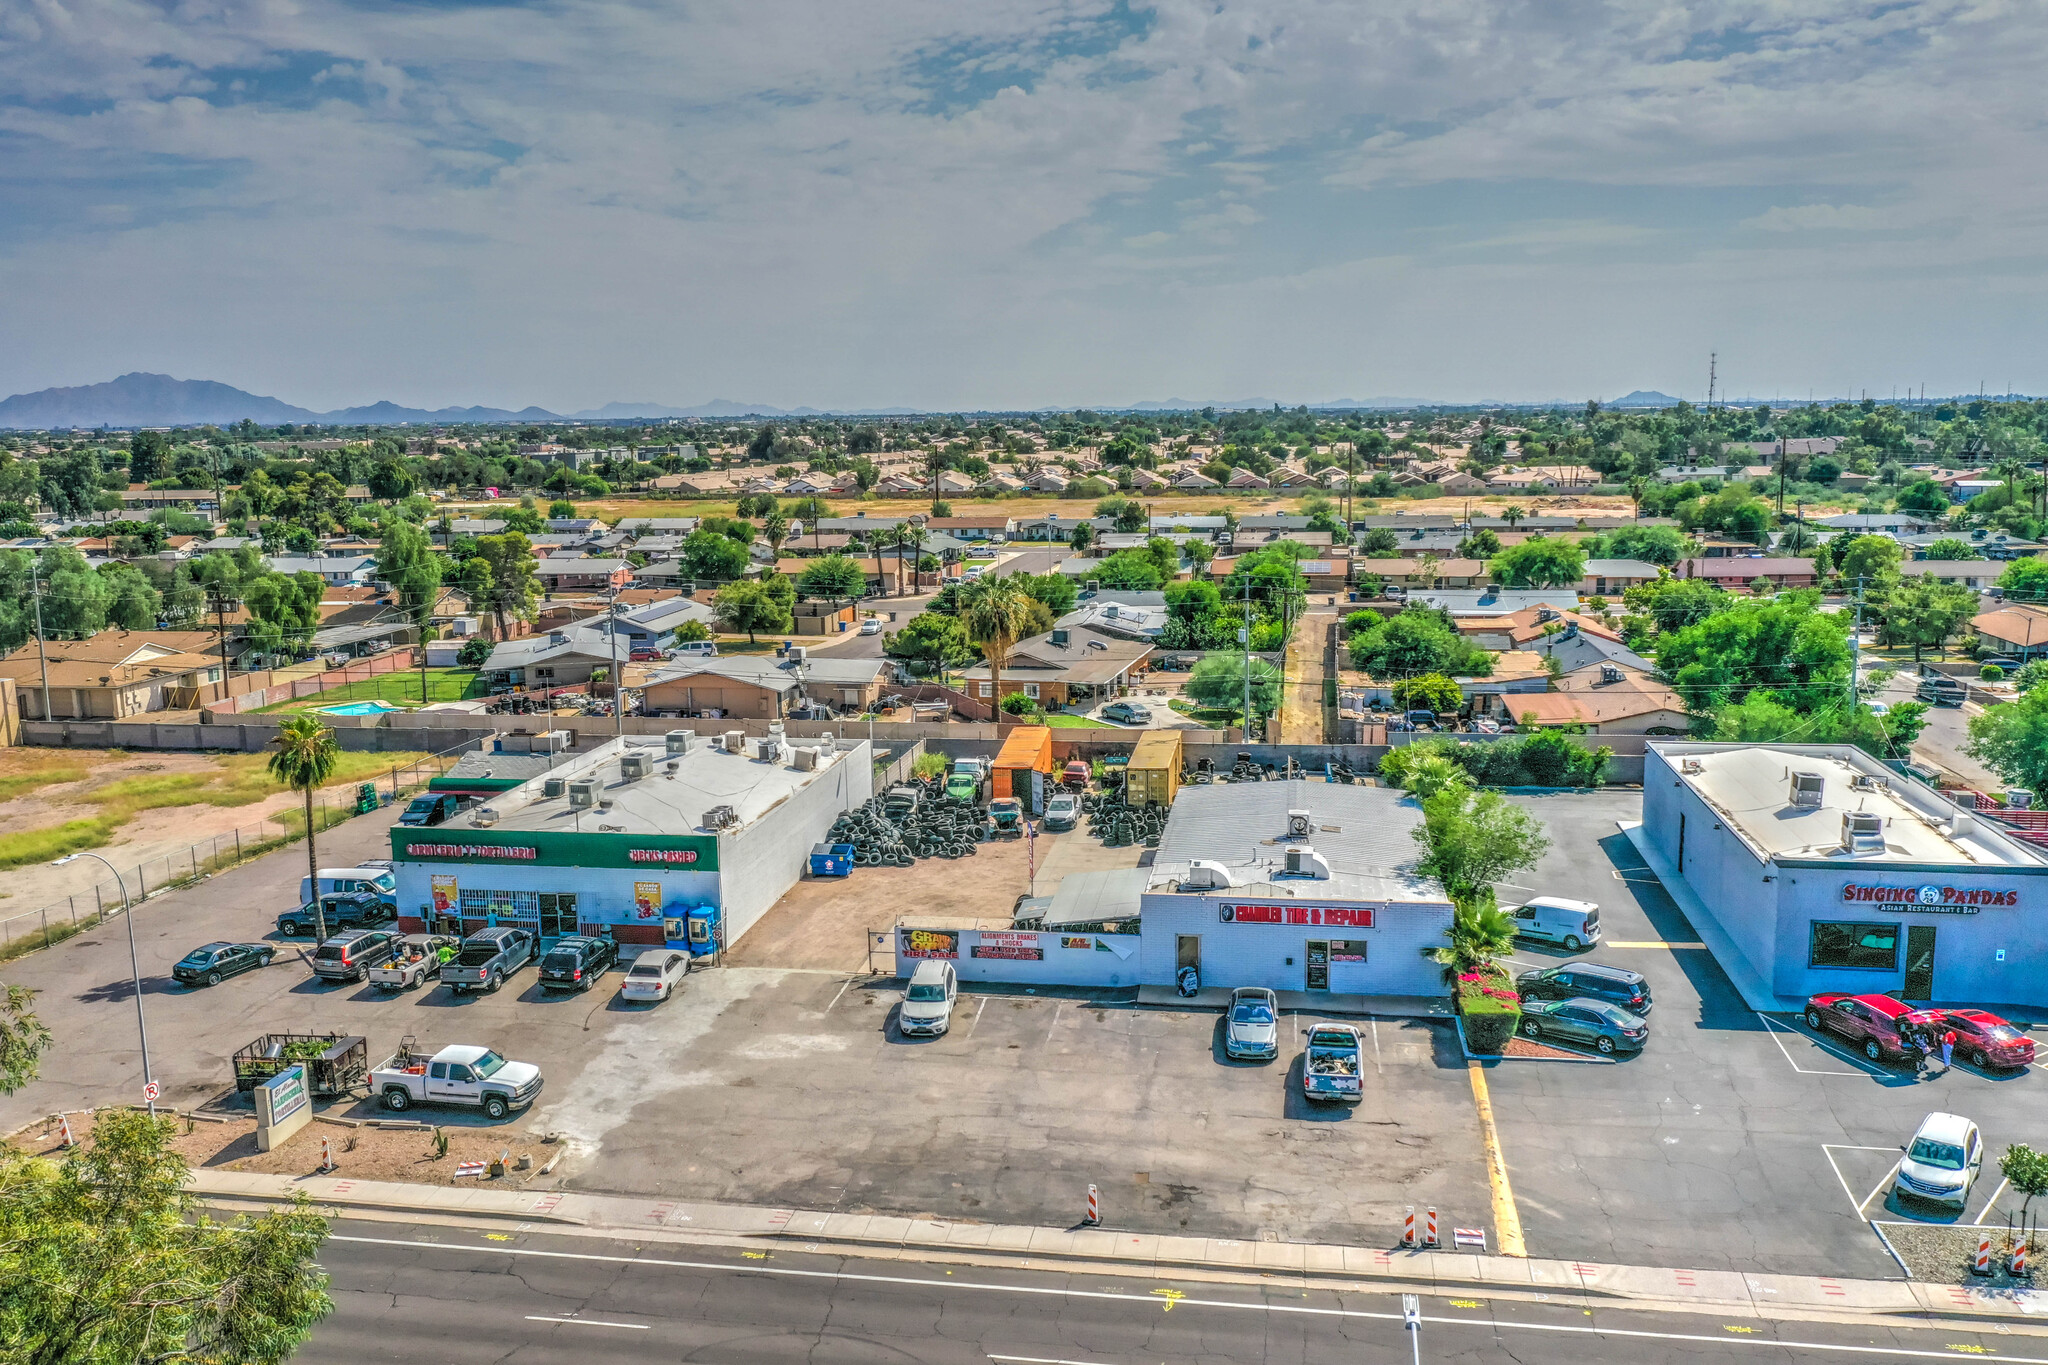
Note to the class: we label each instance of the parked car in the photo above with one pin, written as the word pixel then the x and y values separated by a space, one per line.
pixel 1076 774
pixel 455 1075
pixel 486 958
pixel 351 910
pixel 211 963
pixel 1334 1064
pixel 1063 811
pixel 1127 713
pixel 1941 691
pixel 928 1003
pixel 1869 1020
pixel 2004 662
pixel 433 809
pixel 1253 1030
pixel 417 960
pixel 576 962
pixel 655 974
pixel 349 956
pixel 644 654
pixel 1982 1038
pixel 871 626
pixel 1941 1162
pixel 378 881
pixel 1598 1024
pixel 1597 980
pixel 1554 919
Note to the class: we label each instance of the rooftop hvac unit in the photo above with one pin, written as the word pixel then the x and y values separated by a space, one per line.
pixel 551 742
pixel 1203 875
pixel 806 760
pixel 484 818
pixel 2019 799
pixel 735 741
pixel 775 729
pixel 1059 638
pixel 633 767
pixel 827 745
pixel 1809 789
pixel 768 750
pixel 681 741
pixel 1866 782
pixel 799 653
pixel 1299 824
pixel 1610 673
pixel 553 787
pixel 1306 862
pixel 583 793
pixel 721 817
pixel 1862 831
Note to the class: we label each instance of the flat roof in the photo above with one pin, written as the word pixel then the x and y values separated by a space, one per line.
pixel 1363 832
pixel 705 778
pixel 1750 787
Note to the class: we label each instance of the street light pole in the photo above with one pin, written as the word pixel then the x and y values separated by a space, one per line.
pixel 35 570
pixel 134 971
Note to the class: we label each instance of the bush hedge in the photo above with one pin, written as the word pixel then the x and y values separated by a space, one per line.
pixel 1490 1007
pixel 1544 759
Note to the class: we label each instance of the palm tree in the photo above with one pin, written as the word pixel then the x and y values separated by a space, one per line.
pixel 1480 932
pixel 995 612
pixel 307 753
pixel 1513 513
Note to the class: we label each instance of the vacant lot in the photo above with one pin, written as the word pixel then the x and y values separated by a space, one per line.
pixel 400 689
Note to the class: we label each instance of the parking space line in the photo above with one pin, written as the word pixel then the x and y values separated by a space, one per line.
pixel 1774 1028
pixel 1828 1150
pixel 1055 1022
pixel 1989 1205
pixel 977 1016
pixel 587 1322
pixel 1506 1220
pixel 842 991
pixel 1376 1048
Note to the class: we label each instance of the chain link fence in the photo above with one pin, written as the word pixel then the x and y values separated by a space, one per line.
pixel 59 920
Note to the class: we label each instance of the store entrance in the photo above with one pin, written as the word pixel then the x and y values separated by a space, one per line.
pixel 1318 965
pixel 1919 962
pixel 557 915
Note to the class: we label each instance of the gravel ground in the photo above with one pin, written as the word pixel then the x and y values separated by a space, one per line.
pixel 1942 1254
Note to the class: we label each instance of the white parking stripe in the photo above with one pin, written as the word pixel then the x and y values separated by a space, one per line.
pixel 1773 1027
pixel 587 1322
pixel 1989 1205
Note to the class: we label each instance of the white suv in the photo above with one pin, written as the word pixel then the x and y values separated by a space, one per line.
pixel 928 1004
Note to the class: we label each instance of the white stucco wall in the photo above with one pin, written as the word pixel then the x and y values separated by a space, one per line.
pixel 1065 959
pixel 1235 954
pixel 765 859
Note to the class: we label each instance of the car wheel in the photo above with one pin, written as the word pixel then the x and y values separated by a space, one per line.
pixel 1572 943
pixel 1873 1051
pixel 269 957
pixel 397 1098
pixel 495 1106
pixel 1531 1029
pixel 213 978
pixel 491 986
pixel 1606 1046
pixel 1813 1019
pixel 1978 1060
pixel 288 929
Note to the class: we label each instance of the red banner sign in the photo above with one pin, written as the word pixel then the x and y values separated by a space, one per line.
pixel 1930 897
pixel 1314 916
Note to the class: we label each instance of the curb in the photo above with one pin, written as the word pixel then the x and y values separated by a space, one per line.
pixel 341 1206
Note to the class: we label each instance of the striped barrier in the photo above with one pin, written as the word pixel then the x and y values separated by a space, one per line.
pixel 1981 1263
pixel 469 1168
pixel 1429 1238
pixel 1094 1209
pixel 1408 1228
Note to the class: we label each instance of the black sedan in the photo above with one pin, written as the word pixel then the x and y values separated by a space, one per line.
pixel 212 963
pixel 1589 1023
pixel 575 962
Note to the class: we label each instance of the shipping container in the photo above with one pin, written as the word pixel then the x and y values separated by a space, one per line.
pixel 1153 777
pixel 1027 750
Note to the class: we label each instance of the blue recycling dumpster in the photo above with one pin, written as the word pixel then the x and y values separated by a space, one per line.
pixel 831 860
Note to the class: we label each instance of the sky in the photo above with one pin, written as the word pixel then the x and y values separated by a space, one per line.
pixel 1022 203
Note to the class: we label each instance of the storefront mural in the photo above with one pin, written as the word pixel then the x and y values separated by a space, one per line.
pixel 921 943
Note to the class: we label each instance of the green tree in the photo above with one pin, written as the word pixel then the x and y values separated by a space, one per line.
pixel 307 753
pixel 751 606
pixel 1129 570
pixel 1428 691
pixel 995 613
pixel 1472 839
pixel 149 456
pixel 1672 604
pixel 1765 718
pixel 931 643
pixel 1128 514
pixel 709 557
pixel 510 586
pixel 1218 680
pixel 476 650
pixel 1924 496
pixel 2025 580
pixel 1056 590
pixel 1787 647
pixel 1952 547
pixel 284 610
pixel 107 1261
pixel 2012 740
pixel 1871 563
pixel 1381 543
pixel 1081 536
pixel 1539 562
pixel 834 576
pixel 2026 1170
pixel 132 604
pixel 561 509
pixel 1663 545
pixel 1418 640
pixel 1926 612
pixel 1481 932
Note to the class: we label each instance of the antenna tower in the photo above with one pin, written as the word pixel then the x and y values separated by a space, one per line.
pixel 1712 360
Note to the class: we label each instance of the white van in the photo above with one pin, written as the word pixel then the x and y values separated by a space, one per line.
pixel 377 881
pixel 1553 919
pixel 696 649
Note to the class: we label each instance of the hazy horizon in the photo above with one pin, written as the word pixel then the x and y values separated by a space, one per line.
pixel 1024 204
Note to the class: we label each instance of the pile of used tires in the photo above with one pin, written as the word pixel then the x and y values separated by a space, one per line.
pixel 1119 824
pixel 911 820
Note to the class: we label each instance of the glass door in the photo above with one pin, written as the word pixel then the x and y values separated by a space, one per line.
pixel 1919 962
pixel 1318 965
pixel 557 915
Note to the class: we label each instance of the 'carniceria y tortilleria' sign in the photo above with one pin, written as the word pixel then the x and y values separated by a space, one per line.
pixel 1953 900
pixel 558 848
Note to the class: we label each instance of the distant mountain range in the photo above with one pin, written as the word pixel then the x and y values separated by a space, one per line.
pixel 1643 398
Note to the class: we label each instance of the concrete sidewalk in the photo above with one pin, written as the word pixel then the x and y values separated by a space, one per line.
pixel 1079 1249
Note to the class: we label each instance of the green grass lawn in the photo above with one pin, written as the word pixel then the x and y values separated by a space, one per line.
pixel 401 688
pixel 1061 721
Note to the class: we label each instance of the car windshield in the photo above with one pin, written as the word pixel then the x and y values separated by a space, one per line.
pixel 421 805
pixel 200 955
pixel 490 1064
pixel 1616 1015
pixel 927 993
pixel 1942 1155
pixel 1252 1012
pixel 561 962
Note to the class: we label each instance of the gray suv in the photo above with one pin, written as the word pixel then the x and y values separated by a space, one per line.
pixel 349 956
pixel 1591 980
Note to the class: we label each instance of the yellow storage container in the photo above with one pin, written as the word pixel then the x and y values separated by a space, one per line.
pixel 1154 775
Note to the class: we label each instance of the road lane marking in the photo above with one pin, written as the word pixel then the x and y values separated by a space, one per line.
pixel 1506 1221
pixel 587 1322
pixel 1068 1292
pixel 1651 943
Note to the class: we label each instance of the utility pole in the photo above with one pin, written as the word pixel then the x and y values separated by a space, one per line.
pixel 1856 645
pixel 36 590
pixel 618 677
pixel 1244 635
pixel 1781 476
pixel 1713 359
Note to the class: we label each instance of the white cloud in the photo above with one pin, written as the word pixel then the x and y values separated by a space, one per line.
pixel 1825 217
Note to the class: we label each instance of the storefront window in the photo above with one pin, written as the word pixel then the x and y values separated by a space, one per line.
pixel 1861 946
pixel 509 907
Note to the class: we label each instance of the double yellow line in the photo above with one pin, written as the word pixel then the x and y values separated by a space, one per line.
pixel 1507 1223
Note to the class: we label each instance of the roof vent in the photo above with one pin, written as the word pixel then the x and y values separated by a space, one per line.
pixel 1865 782
pixel 484 818
pixel 1306 862
pixel 1691 767
pixel 1809 789
pixel 721 817
pixel 1204 875
pixel 1299 824
pixel 1059 637
pixel 1610 673
pixel 1863 831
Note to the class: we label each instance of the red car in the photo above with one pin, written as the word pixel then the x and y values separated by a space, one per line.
pixel 1983 1039
pixel 644 655
pixel 1872 1020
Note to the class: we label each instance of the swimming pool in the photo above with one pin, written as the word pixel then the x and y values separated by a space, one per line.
pixel 361 708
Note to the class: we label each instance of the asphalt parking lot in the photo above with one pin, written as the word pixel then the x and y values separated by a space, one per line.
pixel 1732 1142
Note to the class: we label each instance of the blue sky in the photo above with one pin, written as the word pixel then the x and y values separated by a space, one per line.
pixel 1021 202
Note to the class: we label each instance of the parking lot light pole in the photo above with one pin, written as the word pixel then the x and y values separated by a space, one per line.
pixel 1411 1318
pixel 134 968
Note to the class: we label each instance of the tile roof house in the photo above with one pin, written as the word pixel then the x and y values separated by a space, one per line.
pixel 1194 478
pixel 765 688
pixel 115 673
pixel 1737 572
pixel 1063 666
pixel 2017 630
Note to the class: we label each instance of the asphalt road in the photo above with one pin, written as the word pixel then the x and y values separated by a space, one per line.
pixel 457 1295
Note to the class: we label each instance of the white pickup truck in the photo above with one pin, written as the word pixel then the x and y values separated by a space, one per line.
pixel 460 1074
